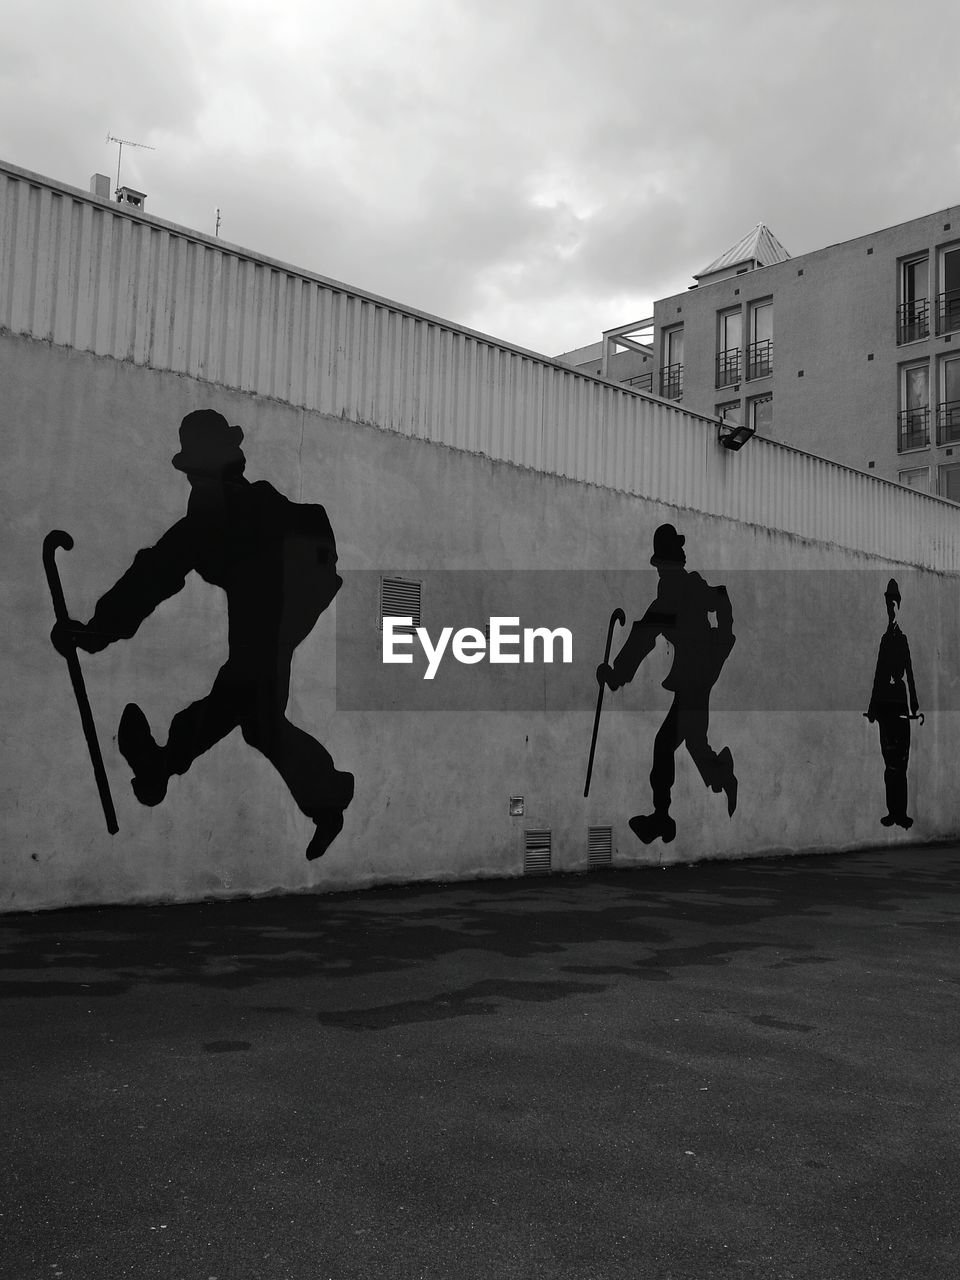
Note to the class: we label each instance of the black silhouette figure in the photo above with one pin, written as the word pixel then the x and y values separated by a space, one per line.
pixel 276 560
pixel 680 613
pixel 892 685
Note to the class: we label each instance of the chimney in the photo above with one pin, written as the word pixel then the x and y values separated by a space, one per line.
pixel 131 198
pixel 100 186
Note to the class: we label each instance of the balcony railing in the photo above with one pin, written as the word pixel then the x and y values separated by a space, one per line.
pixel 913 428
pixel 641 382
pixel 948 421
pixel 728 367
pixel 671 381
pixel 913 320
pixel 760 359
pixel 948 311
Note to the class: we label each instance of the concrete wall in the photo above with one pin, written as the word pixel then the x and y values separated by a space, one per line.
pixel 88 447
pixel 835 380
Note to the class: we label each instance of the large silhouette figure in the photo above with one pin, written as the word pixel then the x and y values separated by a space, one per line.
pixel 892 686
pixel 276 560
pixel 680 613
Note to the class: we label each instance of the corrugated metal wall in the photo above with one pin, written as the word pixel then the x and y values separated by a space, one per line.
pixel 86 274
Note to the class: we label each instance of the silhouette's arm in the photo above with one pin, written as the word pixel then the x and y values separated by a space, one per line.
pixel 639 642
pixel 722 607
pixel 908 667
pixel 879 679
pixel 156 574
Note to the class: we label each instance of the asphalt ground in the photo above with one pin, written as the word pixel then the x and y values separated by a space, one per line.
pixel 740 1069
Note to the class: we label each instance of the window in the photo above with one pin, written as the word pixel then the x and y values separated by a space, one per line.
pixel 948 408
pixel 948 299
pixel 760 414
pixel 913 314
pixel 948 482
pixel 916 478
pixel 671 371
pixel 913 420
pixel 729 411
pixel 729 339
pixel 760 350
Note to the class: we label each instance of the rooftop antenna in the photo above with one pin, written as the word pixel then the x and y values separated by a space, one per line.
pixel 126 142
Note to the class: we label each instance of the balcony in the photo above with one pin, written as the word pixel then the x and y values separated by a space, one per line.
pixel 948 311
pixel 913 429
pixel 671 381
pixel 642 382
pixel 913 321
pixel 760 359
pixel 728 367
pixel 948 422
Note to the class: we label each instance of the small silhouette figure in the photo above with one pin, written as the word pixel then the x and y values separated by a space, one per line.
pixel 892 683
pixel 276 560
pixel 680 614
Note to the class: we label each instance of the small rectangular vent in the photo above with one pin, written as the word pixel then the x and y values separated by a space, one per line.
pixel 536 853
pixel 400 598
pixel 599 846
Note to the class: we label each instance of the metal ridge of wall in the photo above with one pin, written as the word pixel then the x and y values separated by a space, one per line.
pixel 84 273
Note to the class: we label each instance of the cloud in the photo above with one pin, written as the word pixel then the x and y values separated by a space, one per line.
pixel 539 170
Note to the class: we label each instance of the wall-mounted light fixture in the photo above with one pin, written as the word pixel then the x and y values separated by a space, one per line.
pixel 734 435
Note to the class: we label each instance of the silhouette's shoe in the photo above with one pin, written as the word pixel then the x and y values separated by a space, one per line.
pixel 728 782
pixel 887 820
pixel 329 825
pixel 905 822
pixel 648 826
pixel 142 754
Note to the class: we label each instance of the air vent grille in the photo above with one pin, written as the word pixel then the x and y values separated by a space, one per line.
pixel 537 853
pixel 599 846
pixel 400 598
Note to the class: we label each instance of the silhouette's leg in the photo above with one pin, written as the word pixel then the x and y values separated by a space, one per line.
pixel 895 745
pixel 319 789
pixel 692 731
pixel 664 769
pixel 905 820
pixel 192 731
pixel 201 726
pixel 887 752
pixel 714 767
pixel 305 766
pixel 648 827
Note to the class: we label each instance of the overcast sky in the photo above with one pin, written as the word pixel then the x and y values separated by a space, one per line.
pixel 536 169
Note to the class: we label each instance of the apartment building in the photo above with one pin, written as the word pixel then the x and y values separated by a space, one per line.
pixel 851 352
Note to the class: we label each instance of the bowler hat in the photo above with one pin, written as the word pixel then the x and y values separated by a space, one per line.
pixel 208 444
pixel 667 545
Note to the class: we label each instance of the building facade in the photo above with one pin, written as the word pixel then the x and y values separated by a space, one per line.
pixel 851 352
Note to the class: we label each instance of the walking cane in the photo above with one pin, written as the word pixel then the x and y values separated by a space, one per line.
pixel 617 616
pixel 51 543
pixel 919 716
